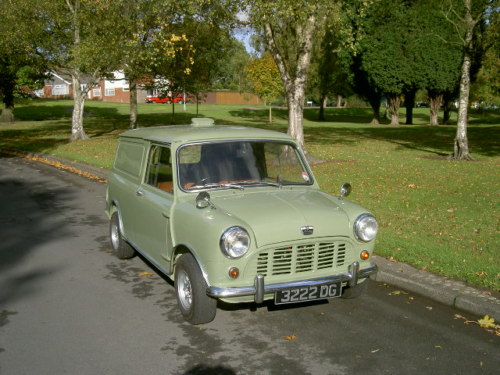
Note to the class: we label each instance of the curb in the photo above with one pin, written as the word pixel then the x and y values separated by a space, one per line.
pixel 440 289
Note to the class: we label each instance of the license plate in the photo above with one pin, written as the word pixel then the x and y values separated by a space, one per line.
pixel 308 293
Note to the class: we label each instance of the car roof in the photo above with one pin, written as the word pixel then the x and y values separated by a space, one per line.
pixel 190 133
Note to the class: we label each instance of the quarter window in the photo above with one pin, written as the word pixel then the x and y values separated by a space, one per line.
pixel 159 172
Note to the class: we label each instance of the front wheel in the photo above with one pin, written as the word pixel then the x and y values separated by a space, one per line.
pixel 190 288
pixel 121 248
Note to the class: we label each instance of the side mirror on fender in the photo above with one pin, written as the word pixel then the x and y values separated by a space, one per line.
pixel 345 190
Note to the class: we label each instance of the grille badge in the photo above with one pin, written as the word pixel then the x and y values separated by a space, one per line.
pixel 307 230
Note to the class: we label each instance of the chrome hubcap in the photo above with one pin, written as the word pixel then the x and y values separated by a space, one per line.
pixel 184 290
pixel 115 236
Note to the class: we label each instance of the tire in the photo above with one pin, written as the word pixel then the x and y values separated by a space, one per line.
pixel 190 290
pixel 356 291
pixel 121 248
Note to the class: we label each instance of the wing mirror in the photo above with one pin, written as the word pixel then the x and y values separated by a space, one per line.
pixel 203 200
pixel 345 190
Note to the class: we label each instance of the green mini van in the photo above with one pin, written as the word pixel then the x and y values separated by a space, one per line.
pixel 235 214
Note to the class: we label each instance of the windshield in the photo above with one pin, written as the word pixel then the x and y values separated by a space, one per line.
pixel 241 164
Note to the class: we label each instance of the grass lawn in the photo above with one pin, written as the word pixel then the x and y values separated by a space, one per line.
pixel 434 214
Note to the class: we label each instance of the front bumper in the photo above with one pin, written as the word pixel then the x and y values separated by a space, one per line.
pixel 260 289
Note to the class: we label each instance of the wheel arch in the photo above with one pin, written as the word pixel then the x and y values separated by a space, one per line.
pixel 182 249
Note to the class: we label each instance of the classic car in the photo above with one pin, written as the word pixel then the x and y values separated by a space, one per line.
pixel 179 98
pixel 236 214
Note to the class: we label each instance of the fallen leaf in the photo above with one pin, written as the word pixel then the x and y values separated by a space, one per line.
pixel 428 308
pixel 375 350
pixel 486 322
pixel 145 274
pixel 438 347
pixel 290 338
pixel 397 292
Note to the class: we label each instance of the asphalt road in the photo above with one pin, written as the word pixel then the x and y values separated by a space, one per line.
pixel 67 306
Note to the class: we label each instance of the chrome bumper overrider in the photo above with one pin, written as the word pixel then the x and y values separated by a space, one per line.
pixel 260 289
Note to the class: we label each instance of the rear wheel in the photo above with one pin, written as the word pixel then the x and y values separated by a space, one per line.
pixel 121 248
pixel 190 287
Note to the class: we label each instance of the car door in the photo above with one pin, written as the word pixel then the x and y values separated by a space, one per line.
pixel 154 201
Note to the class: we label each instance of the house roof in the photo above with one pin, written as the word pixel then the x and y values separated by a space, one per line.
pixel 58 79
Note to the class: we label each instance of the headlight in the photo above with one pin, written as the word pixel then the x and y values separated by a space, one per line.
pixel 365 227
pixel 234 242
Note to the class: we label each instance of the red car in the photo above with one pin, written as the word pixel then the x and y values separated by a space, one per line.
pixel 165 99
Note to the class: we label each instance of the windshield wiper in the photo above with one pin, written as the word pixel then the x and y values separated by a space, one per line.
pixel 260 183
pixel 213 185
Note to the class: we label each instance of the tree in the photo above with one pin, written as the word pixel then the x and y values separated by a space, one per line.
pixel 203 65
pixel 289 30
pixel 328 76
pixel 17 73
pixel 469 19
pixel 388 52
pixel 232 76
pixel 486 89
pixel 155 44
pixel 181 44
pixel 377 40
pixel 265 79
pixel 20 68
pixel 74 37
pixel 440 57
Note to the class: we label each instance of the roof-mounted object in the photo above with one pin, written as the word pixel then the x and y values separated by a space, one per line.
pixel 199 122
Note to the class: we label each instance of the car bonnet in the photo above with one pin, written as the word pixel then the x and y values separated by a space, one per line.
pixel 282 216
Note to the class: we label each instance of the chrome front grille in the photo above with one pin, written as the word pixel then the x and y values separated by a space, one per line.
pixel 294 259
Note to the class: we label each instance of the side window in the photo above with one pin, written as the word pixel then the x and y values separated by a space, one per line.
pixel 159 172
pixel 129 157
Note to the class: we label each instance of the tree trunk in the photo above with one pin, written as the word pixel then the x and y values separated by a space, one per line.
pixel 133 102
pixel 409 105
pixel 393 102
pixel 322 104
pixel 295 100
pixel 77 130
pixel 294 80
pixel 448 105
pixel 339 101
pixel 7 115
pixel 375 104
pixel 435 103
pixel 461 147
pixel 270 113
pixel 8 99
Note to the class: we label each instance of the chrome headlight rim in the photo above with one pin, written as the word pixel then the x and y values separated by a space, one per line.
pixel 365 228
pixel 234 242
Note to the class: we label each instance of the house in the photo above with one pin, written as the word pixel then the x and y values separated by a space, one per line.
pixel 58 86
pixel 116 89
